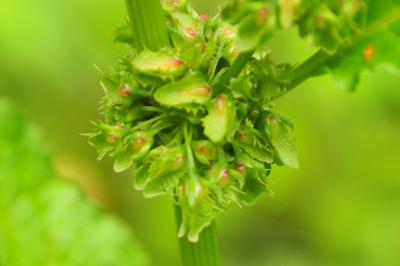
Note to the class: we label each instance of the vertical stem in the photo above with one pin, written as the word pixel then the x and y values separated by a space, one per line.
pixel 147 21
pixel 203 253
pixel 150 32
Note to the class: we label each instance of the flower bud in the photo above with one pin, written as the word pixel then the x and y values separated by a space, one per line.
pixel 189 90
pixel 224 177
pixel 204 151
pixel 125 91
pixel 158 64
pixel 141 143
pixel 172 5
pixel 221 123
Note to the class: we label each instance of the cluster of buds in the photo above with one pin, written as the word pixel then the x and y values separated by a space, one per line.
pixel 331 24
pixel 209 149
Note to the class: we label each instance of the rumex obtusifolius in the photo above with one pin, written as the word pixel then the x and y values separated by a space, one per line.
pixel 170 116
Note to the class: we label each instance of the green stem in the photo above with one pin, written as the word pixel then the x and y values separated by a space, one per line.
pixel 188 140
pixel 205 251
pixel 147 23
pixel 150 32
pixel 233 71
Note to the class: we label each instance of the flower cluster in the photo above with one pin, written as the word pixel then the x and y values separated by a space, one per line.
pixel 184 132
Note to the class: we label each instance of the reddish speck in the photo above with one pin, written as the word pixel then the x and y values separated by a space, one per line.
pixel 202 149
pixel 180 159
pixel 262 16
pixel 176 62
pixel 224 177
pixel 271 119
pixel 112 139
pixel 240 167
pixel 220 102
pixel 204 17
pixel 125 91
pixel 203 90
pixel 138 143
pixel 173 3
pixel 368 52
pixel 203 47
pixel 190 33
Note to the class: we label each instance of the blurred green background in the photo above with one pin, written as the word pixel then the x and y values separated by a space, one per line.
pixel 342 207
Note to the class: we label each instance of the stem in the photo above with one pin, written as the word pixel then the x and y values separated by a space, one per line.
pixel 147 23
pixel 205 251
pixel 150 32
pixel 233 71
pixel 188 140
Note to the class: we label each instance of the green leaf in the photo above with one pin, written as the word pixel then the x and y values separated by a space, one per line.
pixel 221 123
pixel 123 161
pixel 279 133
pixel 376 44
pixel 189 90
pixel 140 143
pixel 260 153
pixel 253 187
pixel 45 220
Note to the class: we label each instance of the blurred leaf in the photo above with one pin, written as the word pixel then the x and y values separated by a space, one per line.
pixel 378 43
pixel 279 133
pixel 45 220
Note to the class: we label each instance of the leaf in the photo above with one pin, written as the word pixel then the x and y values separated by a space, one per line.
pixel 278 132
pixel 189 90
pixel 253 187
pixel 140 144
pixel 250 141
pixel 45 220
pixel 123 161
pixel 221 123
pixel 377 44
pixel 261 154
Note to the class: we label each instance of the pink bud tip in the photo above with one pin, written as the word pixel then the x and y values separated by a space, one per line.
pixel 125 91
pixel 204 17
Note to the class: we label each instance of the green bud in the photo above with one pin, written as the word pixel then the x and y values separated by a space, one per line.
pixel 221 123
pixel 165 172
pixel 140 144
pixel 204 151
pixel 173 5
pixel 255 28
pixel 189 90
pixel 189 27
pixel 158 64
pixel 106 137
